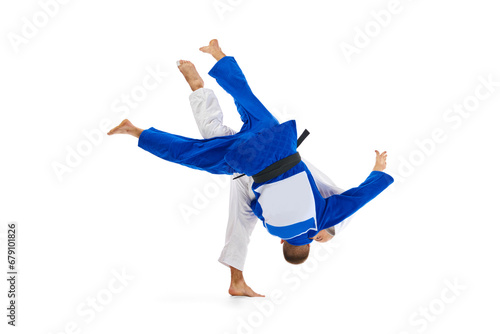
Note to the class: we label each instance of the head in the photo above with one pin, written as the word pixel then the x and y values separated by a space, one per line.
pixel 324 235
pixel 295 254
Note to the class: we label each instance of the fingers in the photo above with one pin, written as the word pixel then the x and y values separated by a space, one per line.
pixel 380 161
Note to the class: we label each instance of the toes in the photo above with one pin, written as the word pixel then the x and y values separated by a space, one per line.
pixel 182 62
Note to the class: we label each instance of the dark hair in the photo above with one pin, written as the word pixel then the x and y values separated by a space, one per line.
pixel 295 254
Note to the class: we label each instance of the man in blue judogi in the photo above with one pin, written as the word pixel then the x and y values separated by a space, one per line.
pixel 287 199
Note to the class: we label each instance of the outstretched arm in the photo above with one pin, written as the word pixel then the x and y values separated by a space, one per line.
pixel 339 207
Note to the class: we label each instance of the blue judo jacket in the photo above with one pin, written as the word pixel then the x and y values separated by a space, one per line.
pixel 290 205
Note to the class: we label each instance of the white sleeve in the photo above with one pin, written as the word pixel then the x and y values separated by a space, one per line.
pixel 241 222
pixel 327 188
pixel 208 114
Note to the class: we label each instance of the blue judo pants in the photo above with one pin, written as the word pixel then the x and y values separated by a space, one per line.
pixel 208 154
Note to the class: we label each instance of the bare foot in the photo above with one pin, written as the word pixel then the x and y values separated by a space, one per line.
pixel 126 127
pixel 214 49
pixel 240 288
pixel 190 74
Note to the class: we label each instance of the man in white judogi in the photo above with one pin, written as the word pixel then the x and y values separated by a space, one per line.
pixel 293 207
pixel 242 220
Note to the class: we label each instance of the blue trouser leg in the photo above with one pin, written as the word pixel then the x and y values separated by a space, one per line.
pixel 202 154
pixel 252 112
pixel 208 154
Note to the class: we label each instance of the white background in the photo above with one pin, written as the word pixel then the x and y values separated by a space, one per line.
pixel 119 209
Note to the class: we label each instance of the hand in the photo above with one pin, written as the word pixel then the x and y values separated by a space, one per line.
pixel 380 161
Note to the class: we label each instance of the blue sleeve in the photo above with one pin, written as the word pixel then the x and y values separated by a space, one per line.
pixel 341 206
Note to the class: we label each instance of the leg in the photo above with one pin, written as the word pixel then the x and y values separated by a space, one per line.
pixel 240 225
pixel 230 77
pixel 208 114
pixel 206 110
pixel 242 220
pixel 203 154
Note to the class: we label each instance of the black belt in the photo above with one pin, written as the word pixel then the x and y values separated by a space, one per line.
pixel 280 166
pixel 277 168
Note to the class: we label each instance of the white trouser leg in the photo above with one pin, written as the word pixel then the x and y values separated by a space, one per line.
pixel 240 225
pixel 242 220
pixel 208 114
